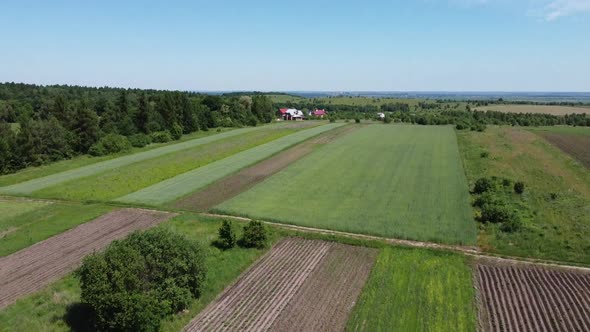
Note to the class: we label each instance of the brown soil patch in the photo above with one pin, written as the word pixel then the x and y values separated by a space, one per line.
pixel 577 146
pixel 325 301
pixel 537 109
pixel 276 286
pixel 33 268
pixel 524 297
pixel 247 178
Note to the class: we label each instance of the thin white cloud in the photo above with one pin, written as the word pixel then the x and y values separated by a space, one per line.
pixel 562 8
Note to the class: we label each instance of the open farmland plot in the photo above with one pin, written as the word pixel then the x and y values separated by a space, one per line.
pixel 300 285
pixel 525 297
pixel 186 183
pixel 416 290
pixel 33 268
pixel 393 181
pixel 541 109
pixel 573 141
pixel 33 185
pixel 245 179
pixel 127 179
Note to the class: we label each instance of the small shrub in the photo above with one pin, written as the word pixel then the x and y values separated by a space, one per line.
pixel 387 119
pixel 254 235
pixel 553 196
pixel 347 120
pixel 111 143
pixel 357 120
pixel 461 126
pixel 511 225
pixel 495 212
pixel 485 198
pixel 227 236
pixel 139 140
pixel 484 154
pixel 332 120
pixel 176 131
pixel 482 185
pixel 136 282
pixel 161 136
pixel 506 183
pixel 519 187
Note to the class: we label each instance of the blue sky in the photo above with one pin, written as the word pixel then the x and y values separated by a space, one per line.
pixel 421 45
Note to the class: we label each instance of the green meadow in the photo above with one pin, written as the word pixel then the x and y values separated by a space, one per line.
pixel 398 181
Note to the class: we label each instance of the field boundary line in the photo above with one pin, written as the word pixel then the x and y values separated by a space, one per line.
pixel 469 251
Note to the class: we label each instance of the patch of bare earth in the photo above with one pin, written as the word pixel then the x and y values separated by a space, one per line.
pixel 313 283
pixel 537 109
pixel 525 297
pixel 247 178
pixel 33 268
pixel 577 146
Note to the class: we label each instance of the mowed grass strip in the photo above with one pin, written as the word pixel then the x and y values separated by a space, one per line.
pixel 188 182
pixel 127 179
pixel 416 290
pixel 30 186
pixel 42 222
pixel 396 181
pixel 11 208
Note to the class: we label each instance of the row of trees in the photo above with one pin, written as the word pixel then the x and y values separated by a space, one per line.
pixel 42 124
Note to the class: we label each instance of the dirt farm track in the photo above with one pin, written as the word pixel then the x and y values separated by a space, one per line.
pixel 33 268
pixel 300 285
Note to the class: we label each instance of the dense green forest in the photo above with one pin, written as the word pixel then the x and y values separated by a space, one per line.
pixel 42 124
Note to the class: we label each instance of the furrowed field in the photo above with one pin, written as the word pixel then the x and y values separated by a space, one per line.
pixel 395 181
pixel 416 290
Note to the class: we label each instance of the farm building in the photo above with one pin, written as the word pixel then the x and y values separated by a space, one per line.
pixel 381 116
pixel 318 113
pixel 291 114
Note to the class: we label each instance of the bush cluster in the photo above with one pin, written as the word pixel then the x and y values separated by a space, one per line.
pixel 161 136
pixel 111 143
pixel 138 281
pixel 493 197
pixel 254 235
pixel 139 140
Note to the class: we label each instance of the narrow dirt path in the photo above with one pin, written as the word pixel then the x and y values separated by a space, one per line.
pixel 468 250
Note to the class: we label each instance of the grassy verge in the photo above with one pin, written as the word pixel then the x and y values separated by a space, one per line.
pixel 416 290
pixel 186 183
pixel 57 307
pixel 127 179
pixel 31 173
pixel 25 229
pixel 393 181
pixel 557 192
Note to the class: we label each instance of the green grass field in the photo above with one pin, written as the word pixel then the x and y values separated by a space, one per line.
pixel 127 179
pixel 396 181
pixel 11 208
pixel 57 308
pixel 186 183
pixel 40 221
pixel 416 290
pixel 89 168
pixel 559 227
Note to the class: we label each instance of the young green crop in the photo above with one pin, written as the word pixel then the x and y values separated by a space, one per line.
pixel 395 181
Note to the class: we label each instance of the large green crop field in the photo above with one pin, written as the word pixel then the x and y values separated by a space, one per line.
pixel 186 183
pixel 416 290
pixel 127 179
pixel 396 181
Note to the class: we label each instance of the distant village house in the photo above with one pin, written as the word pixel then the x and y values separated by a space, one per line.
pixel 289 114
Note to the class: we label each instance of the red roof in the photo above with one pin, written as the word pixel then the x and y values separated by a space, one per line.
pixel 319 112
pixel 283 110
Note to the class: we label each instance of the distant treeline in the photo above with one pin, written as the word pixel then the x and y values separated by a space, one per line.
pixel 42 124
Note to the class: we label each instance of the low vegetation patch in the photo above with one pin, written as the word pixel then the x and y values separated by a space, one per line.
pixel 138 281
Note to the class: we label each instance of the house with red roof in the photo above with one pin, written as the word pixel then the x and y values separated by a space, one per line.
pixel 291 114
pixel 320 113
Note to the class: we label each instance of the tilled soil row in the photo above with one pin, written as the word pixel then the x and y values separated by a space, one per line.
pixel 577 146
pixel 326 299
pixel 531 298
pixel 35 267
pixel 297 278
pixel 247 178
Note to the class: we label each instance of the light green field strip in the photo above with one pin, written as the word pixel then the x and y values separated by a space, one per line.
pixel 28 187
pixel 416 290
pixel 397 181
pixel 188 182
pixel 11 208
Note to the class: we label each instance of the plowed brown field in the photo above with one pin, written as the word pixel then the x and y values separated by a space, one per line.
pixel 33 268
pixel 245 179
pixel 577 146
pixel 300 284
pixel 532 298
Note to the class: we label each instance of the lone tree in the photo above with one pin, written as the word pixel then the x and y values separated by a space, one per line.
pixel 138 281
pixel 227 236
pixel 254 235
pixel 519 187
